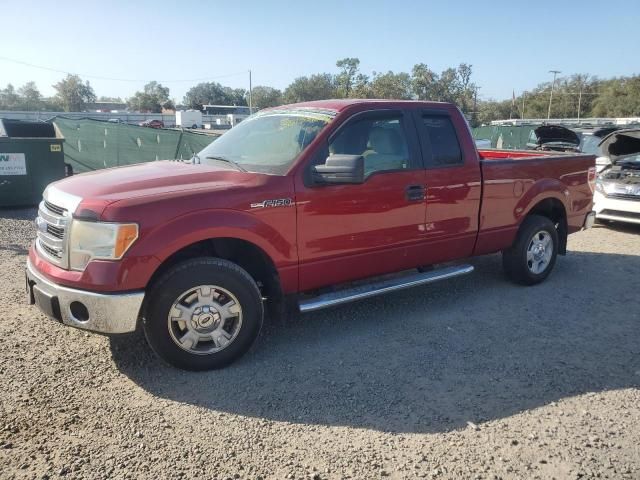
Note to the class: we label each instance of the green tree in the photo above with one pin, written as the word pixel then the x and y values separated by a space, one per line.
pixel 30 98
pixel 72 94
pixel 151 99
pixel 265 97
pixel 619 97
pixel 9 99
pixel 493 110
pixel 424 82
pixel 391 85
pixel 315 87
pixel 346 79
pixel 212 93
pixel 103 98
pixel 234 96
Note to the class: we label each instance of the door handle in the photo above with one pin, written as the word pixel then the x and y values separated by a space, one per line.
pixel 416 193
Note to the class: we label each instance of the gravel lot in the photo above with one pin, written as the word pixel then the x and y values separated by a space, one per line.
pixel 472 378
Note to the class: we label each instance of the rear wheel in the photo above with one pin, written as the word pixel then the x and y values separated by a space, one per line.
pixel 533 255
pixel 203 314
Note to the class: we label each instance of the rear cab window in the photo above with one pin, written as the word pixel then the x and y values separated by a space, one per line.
pixel 439 140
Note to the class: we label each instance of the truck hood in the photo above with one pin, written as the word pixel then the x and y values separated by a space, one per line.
pixel 96 190
pixel 621 143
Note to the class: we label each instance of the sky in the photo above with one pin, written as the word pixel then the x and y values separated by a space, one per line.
pixel 512 45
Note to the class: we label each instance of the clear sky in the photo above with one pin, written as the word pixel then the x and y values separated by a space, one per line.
pixel 511 44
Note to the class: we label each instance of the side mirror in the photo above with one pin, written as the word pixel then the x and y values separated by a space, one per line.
pixel 340 169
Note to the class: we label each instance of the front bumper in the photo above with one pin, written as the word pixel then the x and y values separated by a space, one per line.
pixel 621 210
pixel 98 312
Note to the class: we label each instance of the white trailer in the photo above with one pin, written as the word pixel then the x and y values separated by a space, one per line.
pixel 189 119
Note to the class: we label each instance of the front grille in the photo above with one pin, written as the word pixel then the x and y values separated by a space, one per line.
pixel 50 251
pixel 52 223
pixel 624 196
pixel 57 232
pixel 55 209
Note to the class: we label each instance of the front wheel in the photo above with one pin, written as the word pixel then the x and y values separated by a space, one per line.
pixel 532 256
pixel 203 314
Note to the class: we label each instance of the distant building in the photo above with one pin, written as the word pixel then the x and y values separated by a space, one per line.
pixel 107 107
pixel 225 110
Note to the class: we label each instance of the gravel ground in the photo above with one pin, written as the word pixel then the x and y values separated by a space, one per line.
pixel 472 378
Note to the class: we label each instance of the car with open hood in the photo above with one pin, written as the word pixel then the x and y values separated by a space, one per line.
pixel 617 195
pixel 590 139
pixel 554 138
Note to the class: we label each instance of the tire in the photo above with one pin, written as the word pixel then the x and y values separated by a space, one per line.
pixel 525 262
pixel 203 314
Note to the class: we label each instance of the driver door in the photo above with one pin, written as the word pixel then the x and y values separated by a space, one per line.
pixel 346 232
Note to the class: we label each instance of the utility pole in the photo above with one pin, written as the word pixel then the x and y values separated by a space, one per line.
pixel 555 73
pixel 250 92
pixel 475 105
pixel 579 101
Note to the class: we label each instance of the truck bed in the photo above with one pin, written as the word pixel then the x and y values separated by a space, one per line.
pixel 515 181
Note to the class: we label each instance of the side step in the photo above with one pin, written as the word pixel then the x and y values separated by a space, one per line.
pixel 385 286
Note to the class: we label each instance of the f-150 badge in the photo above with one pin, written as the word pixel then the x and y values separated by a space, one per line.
pixel 278 202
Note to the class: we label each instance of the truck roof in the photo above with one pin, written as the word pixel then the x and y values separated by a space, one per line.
pixel 340 104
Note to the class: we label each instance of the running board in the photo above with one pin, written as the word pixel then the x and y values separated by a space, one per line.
pixel 385 286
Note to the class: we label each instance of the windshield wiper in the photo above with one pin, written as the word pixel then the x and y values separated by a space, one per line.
pixel 228 160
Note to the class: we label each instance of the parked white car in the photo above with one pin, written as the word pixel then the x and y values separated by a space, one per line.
pixel 617 195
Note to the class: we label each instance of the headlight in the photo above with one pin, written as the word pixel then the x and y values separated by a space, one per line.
pixel 98 240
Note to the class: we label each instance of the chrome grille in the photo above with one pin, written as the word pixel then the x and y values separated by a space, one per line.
pixel 57 232
pixel 624 196
pixel 52 224
pixel 55 209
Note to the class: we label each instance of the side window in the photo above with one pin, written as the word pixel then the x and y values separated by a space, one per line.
pixel 381 141
pixel 443 141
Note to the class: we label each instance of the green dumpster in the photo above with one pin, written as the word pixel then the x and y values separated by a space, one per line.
pixel 31 157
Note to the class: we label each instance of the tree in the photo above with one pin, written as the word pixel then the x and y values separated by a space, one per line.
pixel 9 99
pixel 151 99
pixel 391 85
pixel 493 110
pixel 619 97
pixel 30 98
pixel 212 93
pixel 424 82
pixel 316 87
pixel 72 94
pixel 168 105
pixel 103 98
pixel 235 96
pixel 452 85
pixel 265 97
pixel 346 79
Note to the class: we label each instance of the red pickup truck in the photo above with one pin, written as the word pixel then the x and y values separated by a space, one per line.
pixel 293 200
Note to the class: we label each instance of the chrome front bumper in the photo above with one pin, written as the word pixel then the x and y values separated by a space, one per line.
pixel 98 312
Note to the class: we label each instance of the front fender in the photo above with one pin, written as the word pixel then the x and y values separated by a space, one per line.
pixel 179 232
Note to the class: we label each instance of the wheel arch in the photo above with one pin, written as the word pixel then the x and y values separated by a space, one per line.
pixel 249 256
pixel 554 210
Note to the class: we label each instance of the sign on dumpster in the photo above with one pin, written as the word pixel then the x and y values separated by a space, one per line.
pixel 12 164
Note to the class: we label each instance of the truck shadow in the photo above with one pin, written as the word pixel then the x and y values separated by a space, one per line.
pixel 432 358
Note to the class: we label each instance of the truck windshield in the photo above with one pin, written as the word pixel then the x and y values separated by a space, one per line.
pixel 267 142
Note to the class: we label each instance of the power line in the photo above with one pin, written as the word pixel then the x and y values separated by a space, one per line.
pixel 98 77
